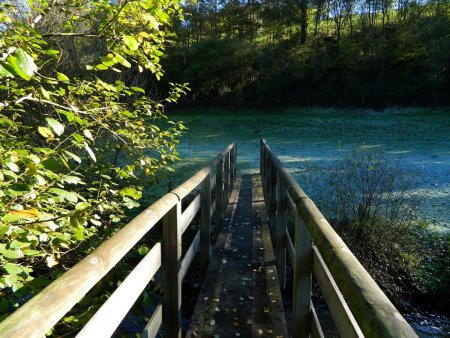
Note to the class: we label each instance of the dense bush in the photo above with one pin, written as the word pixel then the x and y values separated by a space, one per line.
pixel 368 201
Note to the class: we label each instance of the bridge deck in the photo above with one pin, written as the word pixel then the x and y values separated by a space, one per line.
pixel 240 295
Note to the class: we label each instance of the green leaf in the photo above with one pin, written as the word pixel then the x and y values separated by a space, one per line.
pixel 90 152
pixel 13 269
pixel 10 280
pixel 88 134
pixel 45 93
pixel 120 59
pixel 62 77
pixel 143 250
pixel 67 195
pixel 12 254
pixel 101 67
pixel 131 192
pixel 130 42
pixel 12 166
pixel 73 180
pixel 78 138
pixel 33 253
pixel 57 126
pixel 138 89
pixel 4 72
pixel 72 156
pixel 79 233
pixel 3 229
pixel 22 64
pixel 46 132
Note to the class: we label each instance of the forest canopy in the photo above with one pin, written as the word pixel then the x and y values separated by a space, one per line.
pixel 351 53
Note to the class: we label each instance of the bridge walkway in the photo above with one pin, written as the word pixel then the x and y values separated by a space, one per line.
pixel 240 294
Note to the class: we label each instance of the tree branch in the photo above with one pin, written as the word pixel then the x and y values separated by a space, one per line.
pixel 85 35
pixel 113 18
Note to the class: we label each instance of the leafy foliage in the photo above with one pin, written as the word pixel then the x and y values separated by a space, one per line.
pixel 357 53
pixel 76 147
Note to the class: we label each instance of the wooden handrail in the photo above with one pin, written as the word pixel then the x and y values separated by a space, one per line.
pixel 371 313
pixel 43 311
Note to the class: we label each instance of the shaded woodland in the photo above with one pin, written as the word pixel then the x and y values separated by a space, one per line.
pixel 373 53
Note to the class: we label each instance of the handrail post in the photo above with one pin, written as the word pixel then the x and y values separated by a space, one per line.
pixel 261 160
pixel 235 163
pixel 272 198
pixel 205 223
pixel 226 173
pixel 219 194
pixel 231 166
pixel 301 314
pixel 280 249
pixel 267 164
pixel 171 253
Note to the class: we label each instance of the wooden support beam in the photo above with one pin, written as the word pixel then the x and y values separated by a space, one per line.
pixel 189 213
pixel 219 194
pixel 171 254
pixel 342 316
pixel 111 313
pixel 205 223
pixel 226 187
pixel 301 316
pixel 280 248
pixel 153 325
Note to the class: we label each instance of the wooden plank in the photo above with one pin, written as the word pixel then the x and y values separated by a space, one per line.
pixel 291 206
pixel 213 210
pixel 316 329
pixel 273 200
pixel 276 309
pixel 280 247
pixel 109 316
pixel 234 164
pixel 226 180
pixel 266 180
pixel 171 253
pixel 342 316
pixel 153 325
pixel 301 314
pixel 213 182
pixel 290 248
pixel 189 256
pixel 219 195
pixel 189 213
pixel 231 168
pixel 261 162
pixel 205 224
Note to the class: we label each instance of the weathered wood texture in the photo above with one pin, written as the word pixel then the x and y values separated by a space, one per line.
pixel 374 313
pixel 205 223
pixel 42 312
pixel 240 294
pixel 171 254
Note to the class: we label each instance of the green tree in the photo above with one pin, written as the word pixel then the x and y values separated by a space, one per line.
pixel 77 135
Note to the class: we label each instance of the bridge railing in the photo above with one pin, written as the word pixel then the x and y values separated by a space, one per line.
pixel 43 311
pixel 357 305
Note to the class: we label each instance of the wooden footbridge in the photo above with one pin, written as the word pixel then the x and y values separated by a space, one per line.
pixel 242 271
